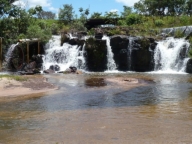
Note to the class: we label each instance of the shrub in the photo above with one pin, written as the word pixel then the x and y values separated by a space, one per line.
pixel 184 20
pixel 178 34
pixel 79 26
pixel 159 23
pixel 34 31
pixel 114 31
pixel 133 19
pixel 121 23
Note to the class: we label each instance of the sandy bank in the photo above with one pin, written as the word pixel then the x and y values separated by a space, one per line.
pixel 33 85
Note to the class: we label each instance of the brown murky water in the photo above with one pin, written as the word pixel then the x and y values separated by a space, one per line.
pixel 87 109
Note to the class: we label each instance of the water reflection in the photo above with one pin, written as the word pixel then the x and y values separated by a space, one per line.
pixel 86 106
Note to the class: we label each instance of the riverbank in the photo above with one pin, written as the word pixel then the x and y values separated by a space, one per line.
pixel 37 84
pixel 32 85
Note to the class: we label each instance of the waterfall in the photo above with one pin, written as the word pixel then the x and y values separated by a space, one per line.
pixel 170 55
pixel 64 56
pixel 130 46
pixel 13 58
pixel 110 61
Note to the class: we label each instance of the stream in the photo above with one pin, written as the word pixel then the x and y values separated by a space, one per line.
pixel 87 109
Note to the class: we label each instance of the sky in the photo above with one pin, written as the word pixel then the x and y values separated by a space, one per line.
pixel 101 6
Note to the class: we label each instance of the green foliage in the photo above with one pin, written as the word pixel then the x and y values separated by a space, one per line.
pixel 7 8
pixel 164 7
pixel 14 77
pixel 66 14
pixel 54 29
pixel 109 15
pixel 91 32
pixel 78 25
pixel 114 31
pixel 126 11
pixel 190 52
pixel 121 23
pixel 184 20
pixel 96 15
pixel 133 19
pixel 35 31
pixel 159 22
pixel 178 34
pixel 46 15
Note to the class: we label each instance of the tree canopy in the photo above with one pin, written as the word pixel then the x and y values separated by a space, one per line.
pixel 164 7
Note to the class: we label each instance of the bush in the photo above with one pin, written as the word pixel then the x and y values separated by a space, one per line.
pixel 178 34
pixel 184 20
pixel 34 31
pixel 79 26
pixel 133 19
pixel 159 23
pixel 121 23
pixel 54 29
pixel 114 31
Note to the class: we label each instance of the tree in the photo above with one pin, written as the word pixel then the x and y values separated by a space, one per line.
pixel 126 11
pixel 96 15
pixel 87 12
pixel 35 11
pixel 111 15
pixel 7 8
pixel 80 9
pixel 46 15
pixel 66 14
pixel 161 8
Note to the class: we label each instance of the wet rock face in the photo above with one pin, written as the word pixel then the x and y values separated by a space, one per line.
pixel 142 55
pixel 96 55
pixel 133 53
pixel 142 61
pixel 119 45
pixel 189 66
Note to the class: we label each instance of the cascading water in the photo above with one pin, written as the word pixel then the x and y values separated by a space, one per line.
pixel 64 56
pixel 110 61
pixel 170 55
pixel 130 46
pixel 12 57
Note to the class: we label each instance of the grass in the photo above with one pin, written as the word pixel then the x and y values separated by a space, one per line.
pixel 14 77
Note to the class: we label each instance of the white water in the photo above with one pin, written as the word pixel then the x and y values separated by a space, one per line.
pixel 130 46
pixel 64 56
pixel 111 66
pixel 167 55
pixel 11 49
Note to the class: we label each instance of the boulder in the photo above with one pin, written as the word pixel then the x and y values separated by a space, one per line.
pixel 189 66
pixel 55 67
pixel 49 71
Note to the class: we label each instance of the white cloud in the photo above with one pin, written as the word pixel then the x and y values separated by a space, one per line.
pixel 33 3
pixel 114 10
pixel 19 3
pixel 127 2
pixel 53 9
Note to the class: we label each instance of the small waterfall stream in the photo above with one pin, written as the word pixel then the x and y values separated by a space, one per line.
pixel 64 56
pixel 130 46
pixel 171 55
pixel 110 61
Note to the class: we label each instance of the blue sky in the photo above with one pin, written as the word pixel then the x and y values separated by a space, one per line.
pixel 93 5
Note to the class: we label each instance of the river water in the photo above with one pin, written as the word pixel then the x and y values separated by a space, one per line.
pixel 87 109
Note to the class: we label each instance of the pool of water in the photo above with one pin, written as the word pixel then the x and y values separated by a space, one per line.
pixel 89 109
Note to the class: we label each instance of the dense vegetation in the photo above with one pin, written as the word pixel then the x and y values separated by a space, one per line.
pixel 145 18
